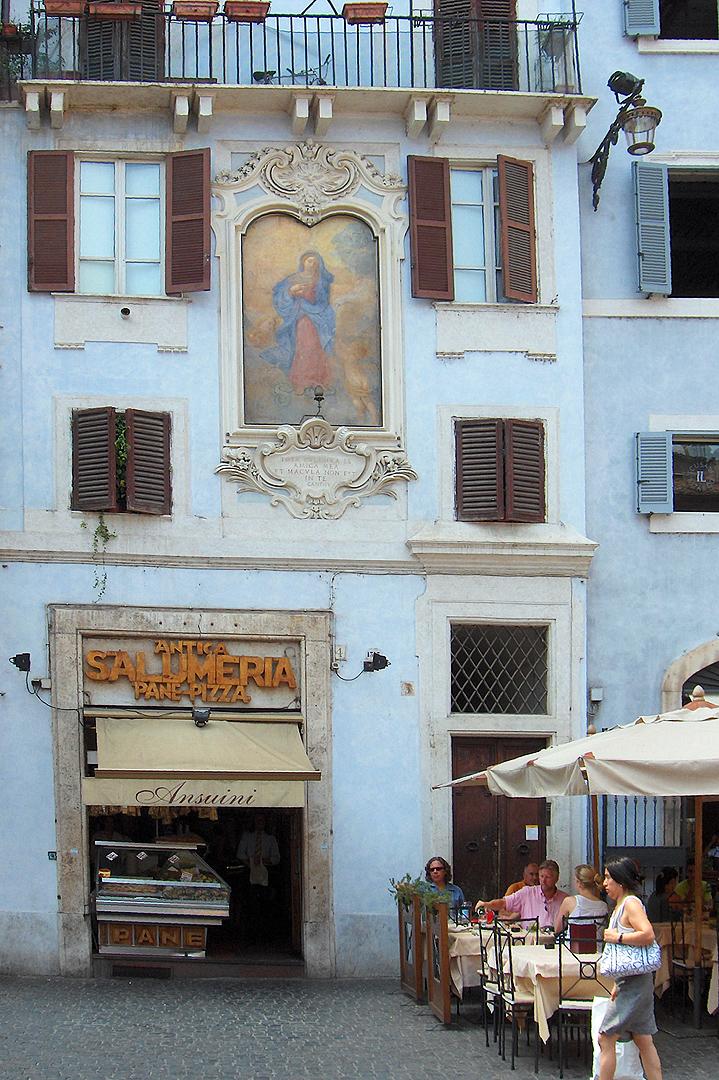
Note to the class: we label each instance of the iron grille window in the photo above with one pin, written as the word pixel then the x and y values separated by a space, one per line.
pixel 499 669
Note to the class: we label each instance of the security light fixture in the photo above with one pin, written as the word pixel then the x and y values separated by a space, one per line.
pixel 635 118
pixel 200 717
pixel 375 661
pixel 21 661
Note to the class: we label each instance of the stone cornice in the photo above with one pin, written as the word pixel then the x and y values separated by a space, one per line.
pixel 459 547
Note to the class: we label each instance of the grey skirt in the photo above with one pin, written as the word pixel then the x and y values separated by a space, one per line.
pixel 632 1011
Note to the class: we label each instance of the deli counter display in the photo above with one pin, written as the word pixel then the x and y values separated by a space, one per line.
pixel 155 899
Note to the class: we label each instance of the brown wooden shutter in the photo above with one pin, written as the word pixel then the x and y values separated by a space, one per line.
pixel 430 225
pixel 516 212
pixel 187 255
pixel 94 485
pixel 50 221
pixel 148 462
pixel 524 470
pixel 480 469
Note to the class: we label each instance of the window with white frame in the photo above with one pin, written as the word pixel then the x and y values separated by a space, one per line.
pixel 120 228
pixel 472 231
pixel 476 244
pixel 113 225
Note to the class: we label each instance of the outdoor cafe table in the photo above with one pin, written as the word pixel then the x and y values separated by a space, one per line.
pixel 464 953
pixel 536 972
pixel 662 979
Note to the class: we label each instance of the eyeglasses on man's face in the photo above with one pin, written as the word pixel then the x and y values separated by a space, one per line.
pixel 435 869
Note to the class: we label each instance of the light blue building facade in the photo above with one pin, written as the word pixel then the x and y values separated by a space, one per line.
pixel 407 481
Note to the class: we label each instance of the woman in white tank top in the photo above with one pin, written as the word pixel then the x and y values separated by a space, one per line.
pixel 586 904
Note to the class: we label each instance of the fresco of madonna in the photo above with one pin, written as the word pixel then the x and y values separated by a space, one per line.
pixel 310 305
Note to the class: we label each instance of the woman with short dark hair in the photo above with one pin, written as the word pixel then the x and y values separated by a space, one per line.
pixel 631 1007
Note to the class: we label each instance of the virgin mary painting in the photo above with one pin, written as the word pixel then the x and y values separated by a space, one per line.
pixel 310 307
pixel 306 338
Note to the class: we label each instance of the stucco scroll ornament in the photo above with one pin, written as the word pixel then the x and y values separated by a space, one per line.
pixel 311 176
pixel 315 470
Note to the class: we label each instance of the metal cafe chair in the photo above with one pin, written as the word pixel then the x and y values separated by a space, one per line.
pixel 581 939
pixel 488 983
pixel 682 963
pixel 514 1004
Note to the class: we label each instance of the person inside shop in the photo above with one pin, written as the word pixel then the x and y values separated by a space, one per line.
pixel 541 901
pixel 530 876
pixel 711 851
pixel 438 873
pixel 685 889
pixel 664 904
pixel 258 850
pixel 107 829
pixel 585 904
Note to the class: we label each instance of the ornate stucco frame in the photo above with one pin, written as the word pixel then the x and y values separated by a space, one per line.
pixel 309 181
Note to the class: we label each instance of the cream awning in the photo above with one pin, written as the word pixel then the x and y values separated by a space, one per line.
pixel 175 748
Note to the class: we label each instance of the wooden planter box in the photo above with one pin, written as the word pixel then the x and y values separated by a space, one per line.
pixel 104 10
pixel 195 10
pixel 246 11
pixel 364 13
pixel 71 8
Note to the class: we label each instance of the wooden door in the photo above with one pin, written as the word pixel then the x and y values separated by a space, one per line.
pixel 490 845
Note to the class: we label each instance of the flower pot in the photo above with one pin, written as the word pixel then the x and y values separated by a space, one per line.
pixel 246 11
pixel 68 8
pixel 10 30
pixel 195 10
pixel 102 9
pixel 364 13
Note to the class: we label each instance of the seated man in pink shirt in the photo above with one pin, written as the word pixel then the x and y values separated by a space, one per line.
pixel 541 901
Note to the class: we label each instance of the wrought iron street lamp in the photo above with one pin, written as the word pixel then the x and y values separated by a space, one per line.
pixel 635 118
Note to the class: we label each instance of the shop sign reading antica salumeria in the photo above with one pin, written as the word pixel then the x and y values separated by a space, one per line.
pixel 239 672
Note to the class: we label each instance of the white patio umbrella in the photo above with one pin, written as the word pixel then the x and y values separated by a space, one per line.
pixel 669 754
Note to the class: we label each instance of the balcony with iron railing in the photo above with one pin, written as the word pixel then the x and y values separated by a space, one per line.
pixel 151 43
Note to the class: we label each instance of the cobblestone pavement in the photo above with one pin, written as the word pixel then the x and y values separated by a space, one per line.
pixel 141 1029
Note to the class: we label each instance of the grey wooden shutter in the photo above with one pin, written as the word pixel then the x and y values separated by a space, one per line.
pixel 50 221
pixel 517 231
pixel 148 462
pixel 101 45
pixel 497 45
pixel 146 44
pixel 479 470
pixel 430 228
pixel 655 480
pixel 188 221
pixel 641 17
pixel 455 43
pixel 94 484
pixel 651 194
pixel 524 470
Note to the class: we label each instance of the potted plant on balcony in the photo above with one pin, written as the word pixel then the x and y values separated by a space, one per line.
pixel 247 11
pixel 364 12
pixel 67 8
pixel 195 10
pixel 114 9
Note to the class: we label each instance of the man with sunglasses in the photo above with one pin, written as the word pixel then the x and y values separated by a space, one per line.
pixel 541 901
